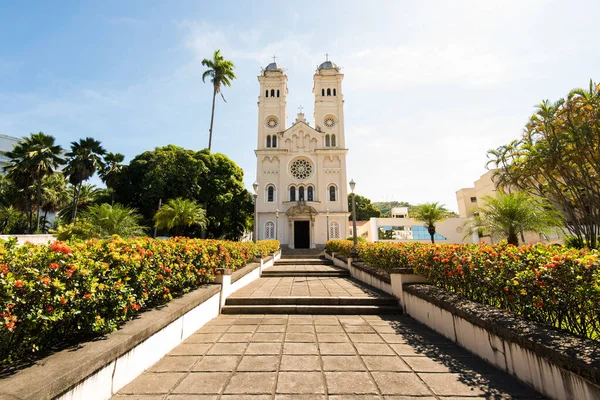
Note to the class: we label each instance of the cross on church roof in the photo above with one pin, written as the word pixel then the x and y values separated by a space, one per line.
pixel 326 56
pixel 274 57
pixel 300 109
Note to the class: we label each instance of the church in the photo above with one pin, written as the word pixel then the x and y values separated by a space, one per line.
pixel 301 169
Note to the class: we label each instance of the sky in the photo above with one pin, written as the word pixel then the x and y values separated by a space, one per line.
pixel 429 86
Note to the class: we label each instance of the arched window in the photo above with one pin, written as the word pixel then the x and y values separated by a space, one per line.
pixel 267 93
pixel 268 140
pixel 334 230
pixel 277 92
pixel 309 193
pixel 328 92
pixel 322 92
pixel 274 143
pixel 334 92
pixel 301 193
pixel 272 92
pixel 327 144
pixel 332 193
pixel 269 230
pixel 270 193
pixel 292 193
pixel 332 141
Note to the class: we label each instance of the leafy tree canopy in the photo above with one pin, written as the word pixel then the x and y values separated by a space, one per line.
pixel 365 210
pixel 386 206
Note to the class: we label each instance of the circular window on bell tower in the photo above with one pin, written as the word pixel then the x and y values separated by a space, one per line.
pixel 272 121
pixel 329 121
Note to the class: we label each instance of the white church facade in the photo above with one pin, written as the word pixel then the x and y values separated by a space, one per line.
pixel 301 170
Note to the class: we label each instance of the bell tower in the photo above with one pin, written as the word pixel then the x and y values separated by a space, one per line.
pixel 272 106
pixel 329 105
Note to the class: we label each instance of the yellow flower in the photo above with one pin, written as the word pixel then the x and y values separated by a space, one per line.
pixel 515 281
pixel 523 291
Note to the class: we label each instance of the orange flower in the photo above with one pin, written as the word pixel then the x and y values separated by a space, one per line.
pixel 63 300
pixel 19 284
pixel 4 269
pixel 46 280
pixel 87 296
pixel 53 266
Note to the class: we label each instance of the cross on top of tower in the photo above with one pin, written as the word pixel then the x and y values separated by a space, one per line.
pixel 326 56
pixel 274 57
pixel 300 109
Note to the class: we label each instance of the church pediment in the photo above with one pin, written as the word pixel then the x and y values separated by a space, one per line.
pixel 301 210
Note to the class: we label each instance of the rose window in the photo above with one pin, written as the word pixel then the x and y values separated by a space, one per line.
pixel 329 121
pixel 301 169
pixel 272 121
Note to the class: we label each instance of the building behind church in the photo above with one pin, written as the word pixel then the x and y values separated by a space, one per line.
pixel 301 170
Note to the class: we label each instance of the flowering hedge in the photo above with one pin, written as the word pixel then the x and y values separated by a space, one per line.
pixel 343 247
pixel 53 294
pixel 554 285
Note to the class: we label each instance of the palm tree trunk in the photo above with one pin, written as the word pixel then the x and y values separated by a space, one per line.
pixel 212 118
pixel 431 230
pixel 38 204
pixel 45 218
pixel 76 201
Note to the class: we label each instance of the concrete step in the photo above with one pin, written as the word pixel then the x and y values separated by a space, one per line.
pixel 310 309
pixel 302 261
pixel 313 300
pixel 293 273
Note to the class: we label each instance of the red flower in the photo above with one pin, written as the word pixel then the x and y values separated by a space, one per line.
pixel 46 280
pixel 19 284
pixel 63 300
pixel 60 247
pixel 87 296
pixel 49 308
pixel 4 269
pixel 53 266
pixel 160 277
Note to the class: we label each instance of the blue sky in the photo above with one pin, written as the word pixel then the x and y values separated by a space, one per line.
pixel 429 86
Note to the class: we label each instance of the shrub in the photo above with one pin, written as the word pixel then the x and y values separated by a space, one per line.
pixel 343 247
pixel 57 293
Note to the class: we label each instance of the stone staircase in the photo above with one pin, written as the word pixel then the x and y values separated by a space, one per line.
pixel 306 283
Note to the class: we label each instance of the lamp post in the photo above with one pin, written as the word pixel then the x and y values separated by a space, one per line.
pixel 255 233
pixel 277 224
pixel 354 252
pixel 327 224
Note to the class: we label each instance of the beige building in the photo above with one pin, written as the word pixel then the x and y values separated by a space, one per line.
pixel 301 170
pixel 469 198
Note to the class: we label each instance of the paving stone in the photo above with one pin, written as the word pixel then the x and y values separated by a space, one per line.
pixel 267 337
pixel 258 364
pixel 355 397
pixel 337 349
pixel 263 348
pixel 405 383
pixel 300 337
pixel 385 363
pixel 300 363
pixel 365 338
pixel 403 349
pixel 138 397
pixel 271 328
pixel 192 397
pixel 152 383
pixel 221 320
pixel 246 397
pixel 342 363
pixel 191 349
pixel 300 397
pixel 392 338
pixel 204 338
pixel 174 364
pixel 329 328
pixel 300 348
pixel 358 328
pixel 452 384
pixel 248 321
pixel 251 383
pixel 227 349
pixel 374 349
pixel 203 383
pixel 300 383
pixel 214 328
pixel 332 338
pixel 350 383
pixel 242 329
pixel 300 329
pixel 217 363
pixel 274 321
pixel 235 337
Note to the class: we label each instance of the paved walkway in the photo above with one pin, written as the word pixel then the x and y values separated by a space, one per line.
pixel 320 357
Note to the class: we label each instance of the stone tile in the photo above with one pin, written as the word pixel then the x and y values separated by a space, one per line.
pixel 263 348
pixel 404 383
pixel 220 320
pixel 192 397
pixel 251 383
pixel 242 329
pixel 138 397
pixel 358 329
pixel 425 364
pixel 300 337
pixel 329 328
pixel 217 363
pixel 258 364
pixel 204 337
pixel 451 384
pixel 332 337
pixel 385 329
pixel 365 338
pixel 248 321
pixel 392 338
pixel 190 349
pixel 337 349
pixel 214 328
pixel 300 348
pixel 300 320
pixel 342 363
pixel 300 397
pixel 300 329
pixel 326 320
pixel 174 364
pixel 227 349
pixel 355 397
pixel 203 383
pixel 271 328
pixel 274 321
pixel 246 397
pixel 385 363
pixel 300 363
pixel 349 382
pixel 403 349
pixel 300 383
pixel 427 398
pixel 235 337
pixel 374 349
pixel 267 337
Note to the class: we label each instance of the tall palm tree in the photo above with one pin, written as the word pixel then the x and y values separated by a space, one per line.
pixel 86 195
pixel 30 160
pixel 109 174
pixel 510 215
pixel 179 213
pixel 84 159
pixel 221 73
pixel 430 214
pixel 54 195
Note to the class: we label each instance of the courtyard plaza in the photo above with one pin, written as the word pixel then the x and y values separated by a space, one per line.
pixel 333 354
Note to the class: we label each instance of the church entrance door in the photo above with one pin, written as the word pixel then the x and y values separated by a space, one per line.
pixel 301 234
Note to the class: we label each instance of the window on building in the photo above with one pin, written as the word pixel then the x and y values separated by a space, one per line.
pixel 333 141
pixel 292 193
pixel 332 193
pixel 301 193
pixel 328 92
pixel 274 141
pixel 327 141
pixel 272 92
pixel 277 92
pixel 268 140
pixel 267 93
pixel 322 92
pixel 309 193
pixel 270 193
pixel 334 230
pixel 269 230
pixel 473 199
pixel 334 92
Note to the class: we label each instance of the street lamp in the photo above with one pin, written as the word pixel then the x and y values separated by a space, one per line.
pixel 327 224
pixel 255 233
pixel 277 224
pixel 354 252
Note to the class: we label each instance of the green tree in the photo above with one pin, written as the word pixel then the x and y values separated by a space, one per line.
pixel 11 220
pixel 30 160
pixel 430 214
pixel 113 165
pixel 54 195
pixel 178 214
pixel 221 74
pixel 365 210
pixel 86 195
pixel 386 206
pixel 84 159
pixel 510 215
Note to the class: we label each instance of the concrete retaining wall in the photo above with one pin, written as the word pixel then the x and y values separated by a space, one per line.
pixel 33 239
